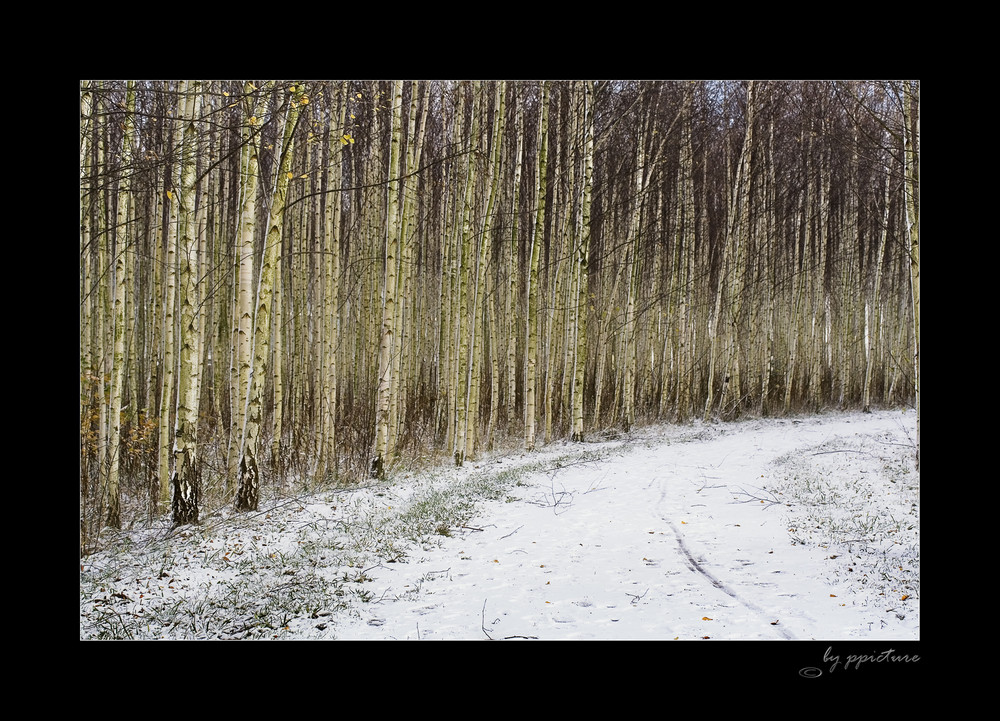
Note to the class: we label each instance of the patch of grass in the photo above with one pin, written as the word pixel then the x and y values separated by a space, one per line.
pixel 868 520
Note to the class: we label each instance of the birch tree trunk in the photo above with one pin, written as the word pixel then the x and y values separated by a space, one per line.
pixel 277 344
pixel 685 237
pixel 248 490
pixel 121 279
pixel 583 260
pixel 513 263
pixel 911 159
pixel 465 320
pixel 386 344
pixel 243 330
pixel 185 479
pixel 477 341
pixel 730 250
pixel 329 463
pixel 169 302
pixel 820 296
pixel 630 352
pixel 767 273
pixel 531 332
pixel 873 304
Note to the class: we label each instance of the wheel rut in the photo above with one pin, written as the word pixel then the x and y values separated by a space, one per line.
pixel 698 568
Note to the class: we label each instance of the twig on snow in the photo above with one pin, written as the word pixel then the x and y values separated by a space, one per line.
pixel 772 501
pixel 483 622
pixel 637 597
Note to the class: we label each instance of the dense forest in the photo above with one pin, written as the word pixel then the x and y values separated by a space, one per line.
pixel 286 285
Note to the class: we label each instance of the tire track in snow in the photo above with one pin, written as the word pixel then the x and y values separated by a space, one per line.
pixel 719 584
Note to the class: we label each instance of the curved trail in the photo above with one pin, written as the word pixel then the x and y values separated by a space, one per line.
pixel 657 542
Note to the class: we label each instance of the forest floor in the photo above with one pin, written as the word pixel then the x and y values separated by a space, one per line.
pixel 767 529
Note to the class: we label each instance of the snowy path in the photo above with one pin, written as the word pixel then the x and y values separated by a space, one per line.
pixel 783 529
pixel 674 539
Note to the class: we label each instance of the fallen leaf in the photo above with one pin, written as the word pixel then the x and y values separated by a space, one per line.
pixel 706 618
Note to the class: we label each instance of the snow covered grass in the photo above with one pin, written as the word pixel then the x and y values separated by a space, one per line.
pixel 866 513
pixel 766 529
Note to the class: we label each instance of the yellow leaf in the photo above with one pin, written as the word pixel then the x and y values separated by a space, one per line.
pixel 359 95
pixel 290 175
pixel 226 93
pixel 705 618
pixel 304 175
pixel 170 196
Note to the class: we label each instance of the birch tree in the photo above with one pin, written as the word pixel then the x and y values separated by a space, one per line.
pixel 465 320
pixel 477 331
pixel 583 259
pixel 730 249
pixel 169 302
pixel 531 331
pixel 911 184
pixel 685 229
pixel 328 462
pixel 248 491
pixel 384 401
pixel 514 258
pixel 120 281
pixel 243 327
pixel 185 479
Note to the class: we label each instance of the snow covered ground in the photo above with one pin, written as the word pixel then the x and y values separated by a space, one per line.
pixel 778 529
